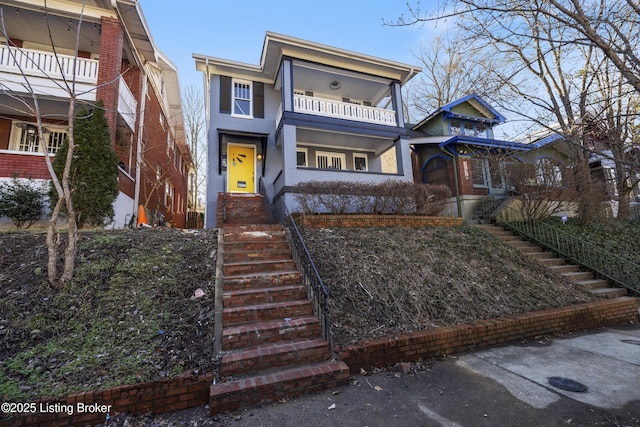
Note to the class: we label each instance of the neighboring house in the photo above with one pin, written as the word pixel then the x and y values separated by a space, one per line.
pixel 307 112
pixel 551 151
pixel 118 63
pixel 455 147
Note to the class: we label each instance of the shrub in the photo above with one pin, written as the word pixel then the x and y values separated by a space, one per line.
pixel 22 201
pixel 396 198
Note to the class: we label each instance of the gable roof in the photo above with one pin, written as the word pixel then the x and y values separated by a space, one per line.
pixel 486 113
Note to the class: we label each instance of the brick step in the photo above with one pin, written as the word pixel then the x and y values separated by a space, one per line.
pixel 540 255
pixel 235 337
pixel 262 280
pixel 277 385
pixel 529 248
pixel 279 354
pixel 252 267
pixel 265 312
pixel 610 292
pixel 523 244
pixel 256 245
pixel 239 234
pixel 564 268
pixel 578 276
pixel 592 284
pixel 245 297
pixel 509 237
pixel 551 262
pixel 236 257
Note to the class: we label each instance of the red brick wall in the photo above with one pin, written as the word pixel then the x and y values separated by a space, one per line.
pixel 155 153
pixel 357 220
pixel 483 333
pixel 153 396
pixel 111 44
pixel 24 165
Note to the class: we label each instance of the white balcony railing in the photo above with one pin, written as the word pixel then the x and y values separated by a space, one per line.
pixel 44 69
pixel 343 110
pixel 127 104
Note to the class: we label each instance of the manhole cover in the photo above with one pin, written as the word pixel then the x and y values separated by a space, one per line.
pixel 634 342
pixel 567 384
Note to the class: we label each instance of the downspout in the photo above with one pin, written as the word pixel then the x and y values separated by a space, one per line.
pixel 143 99
pixel 207 112
pixel 457 182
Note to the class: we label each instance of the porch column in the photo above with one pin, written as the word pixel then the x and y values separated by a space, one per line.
pixel 111 44
pixel 396 98
pixel 287 85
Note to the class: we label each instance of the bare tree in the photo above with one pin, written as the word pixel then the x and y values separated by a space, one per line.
pixel 195 127
pixel 611 26
pixel 546 71
pixel 62 187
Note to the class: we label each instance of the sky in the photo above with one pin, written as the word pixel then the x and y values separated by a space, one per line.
pixel 235 30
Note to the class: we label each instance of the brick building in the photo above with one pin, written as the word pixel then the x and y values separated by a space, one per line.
pixel 118 63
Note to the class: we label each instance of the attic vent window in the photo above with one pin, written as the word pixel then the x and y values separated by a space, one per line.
pixel 335 85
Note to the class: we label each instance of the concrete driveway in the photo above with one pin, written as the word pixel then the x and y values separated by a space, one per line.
pixel 502 386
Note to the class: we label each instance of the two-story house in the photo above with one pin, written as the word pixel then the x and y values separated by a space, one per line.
pixel 306 112
pixel 455 146
pixel 116 62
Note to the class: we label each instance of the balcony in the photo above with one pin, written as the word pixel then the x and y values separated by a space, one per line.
pixel 46 72
pixel 127 104
pixel 343 110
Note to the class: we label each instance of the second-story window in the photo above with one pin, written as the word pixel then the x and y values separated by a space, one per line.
pixel 242 98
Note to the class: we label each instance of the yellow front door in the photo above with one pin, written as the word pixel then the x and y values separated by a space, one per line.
pixel 241 169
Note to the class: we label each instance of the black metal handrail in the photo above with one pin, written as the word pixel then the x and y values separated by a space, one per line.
pixel 619 270
pixel 278 213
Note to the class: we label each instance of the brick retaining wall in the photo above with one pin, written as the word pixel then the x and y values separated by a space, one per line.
pixel 468 336
pixel 189 391
pixel 184 392
pixel 363 220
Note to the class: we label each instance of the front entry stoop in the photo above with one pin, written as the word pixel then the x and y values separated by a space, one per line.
pixel 272 348
pixel 575 273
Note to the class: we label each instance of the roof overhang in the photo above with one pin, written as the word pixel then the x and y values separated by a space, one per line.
pixel 136 28
pixel 474 144
pixel 276 46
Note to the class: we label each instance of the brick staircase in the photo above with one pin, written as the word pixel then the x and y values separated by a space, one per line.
pixel 272 347
pixel 575 273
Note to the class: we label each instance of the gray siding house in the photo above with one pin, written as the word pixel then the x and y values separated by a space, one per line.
pixel 306 112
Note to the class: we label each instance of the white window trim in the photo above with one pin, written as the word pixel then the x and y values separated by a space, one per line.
pixel 366 162
pixel 16 134
pixel 329 155
pixel 233 98
pixel 306 157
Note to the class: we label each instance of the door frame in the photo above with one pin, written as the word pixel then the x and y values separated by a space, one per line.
pixel 237 144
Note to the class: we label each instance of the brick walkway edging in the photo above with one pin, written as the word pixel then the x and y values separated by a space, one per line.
pixel 189 391
pixel 468 336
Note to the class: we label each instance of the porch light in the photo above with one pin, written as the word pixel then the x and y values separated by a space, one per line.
pixel 335 85
pixel 31 133
pixel 463 149
pixel 260 157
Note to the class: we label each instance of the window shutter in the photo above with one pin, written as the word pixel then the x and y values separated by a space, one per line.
pixel 225 94
pixel 258 100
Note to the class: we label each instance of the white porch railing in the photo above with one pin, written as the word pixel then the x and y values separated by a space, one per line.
pixel 127 104
pixel 46 64
pixel 343 110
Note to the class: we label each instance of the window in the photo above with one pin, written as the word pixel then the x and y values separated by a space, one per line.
pixel 468 129
pixel 454 127
pixel 31 143
pixel 548 172
pixel 326 160
pixel 360 162
pixel 168 196
pixel 301 157
pixel 241 98
pixel 481 131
